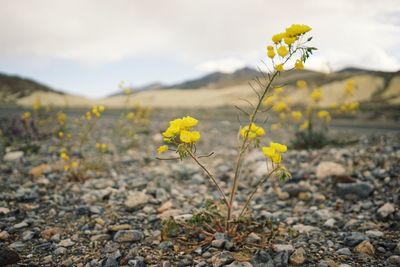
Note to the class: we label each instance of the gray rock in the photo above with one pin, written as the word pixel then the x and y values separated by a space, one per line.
pixel 240 264
pixel 135 199
pixel 344 251
pixel 386 210
pixel 219 243
pixel 27 235
pixel 128 236
pixel 137 262
pixel 395 260
pixel 110 262
pixel 60 251
pixel 262 258
pixel 21 225
pixel 166 246
pixel 359 189
pixel 281 259
pixel 354 239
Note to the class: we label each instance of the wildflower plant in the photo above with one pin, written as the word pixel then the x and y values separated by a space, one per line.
pixel 288 51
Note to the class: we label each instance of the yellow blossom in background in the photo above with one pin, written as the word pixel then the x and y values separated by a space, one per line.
pixel 269 101
pixel 74 165
pixel 353 106
pixel 305 125
pixel 26 116
pixel 88 116
pixel 282 116
pixel 162 149
pixel 279 67
pixel 66 168
pixel 333 105
pixel 316 95
pixel 278 90
pixel 101 108
pixel 280 107
pixel 301 84
pixel 37 105
pixel 252 131
pixel 349 89
pixel 61 135
pixel 275 126
pixel 324 115
pixel 64 156
pixel 104 147
pixel 270 51
pixel 130 116
pixel 61 117
pixel 283 51
pixel 296 116
pixel 298 65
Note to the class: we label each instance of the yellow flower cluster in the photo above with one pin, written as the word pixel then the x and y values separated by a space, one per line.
pixel 252 131
pixel 26 116
pixel 352 106
pixel 316 95
pixel 280 107
pixel 324 115
pixel 179 131
pixel 97 110
pixel 270 51
pixel 274 152
pixel 349 89
pixel 301 84
pixel 37 105
pixel 61 118
pixel 102 147
pixel 61 134
pixel 296 116
pixel 162 149
pixel 64 156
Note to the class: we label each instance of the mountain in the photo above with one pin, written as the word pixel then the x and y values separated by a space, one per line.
pixel 14 87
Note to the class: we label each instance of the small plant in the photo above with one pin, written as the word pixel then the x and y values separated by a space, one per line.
pixel 182 137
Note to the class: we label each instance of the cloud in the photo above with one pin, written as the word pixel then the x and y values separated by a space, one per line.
pixel 222 65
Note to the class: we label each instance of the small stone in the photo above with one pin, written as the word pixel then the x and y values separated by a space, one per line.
pixel 4 210
pixel 354 239
pixel 301 228
pixel 253 238
pixel 50 232
pixel 281 259
pixel 359 189
pixel 386 210
pixel 365 247
pixel 262 259
pixel 4 235
pixel 116 228
pixel 298 257
pixel 218 243
pixel 21 225
pixel 135 199
pixel 374 233
pixel 222 259
pixel 128 236
pixel 329 168
pixel 8 257
pixel 282 247
pixel 66 243
pixel 344 251
pixel 394 260
pixel 39 170
pixel 166 206
pixel 27 235
pixel 239 264
pixel 13 156
pixel 111 262
pixel 330 223
pixel 60 251
pixel 397 249
pixel 100 237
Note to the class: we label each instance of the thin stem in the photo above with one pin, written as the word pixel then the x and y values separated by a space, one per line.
pixel 262 181
pixel 212 178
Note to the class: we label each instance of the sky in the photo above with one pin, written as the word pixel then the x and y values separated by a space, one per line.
pixel 87 47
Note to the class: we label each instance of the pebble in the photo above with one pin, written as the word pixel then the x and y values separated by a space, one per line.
pixel 128 236
pixel 329 168
pixel 13 156
pixel 281 247
pixel 365 247
pixel 386 210
pixel 344 251
pixel 66 243
pixel 136 199
pixel 298 257
pixel 354 239
pixel 359 189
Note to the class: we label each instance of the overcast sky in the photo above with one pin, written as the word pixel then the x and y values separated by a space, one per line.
pixel 88 47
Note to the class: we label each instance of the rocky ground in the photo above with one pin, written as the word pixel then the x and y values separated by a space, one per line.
pixel 341 208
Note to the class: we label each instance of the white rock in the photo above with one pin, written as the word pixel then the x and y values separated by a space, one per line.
pixel 13 156
pixel 280 247
pixel 329 168
pixel 305 228
pixel 66 243
pixel 4 210
pixel 136 199
pixel 386 210
pixel 330 223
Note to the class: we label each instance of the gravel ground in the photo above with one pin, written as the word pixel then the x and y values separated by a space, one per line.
pixel 341 207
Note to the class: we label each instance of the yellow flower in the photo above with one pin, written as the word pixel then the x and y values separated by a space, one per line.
pixel 275 126
pixel 282 116
pixel 162 149
pixel 277 38
pixel 101 108
pixel 316 95
pixel 269 152
pixel 189 122
pixel 278 90
pixel 88 116
pixel 277 158
pixel 61 135
pixel 354 105
pixel 301 84
pixel 61 117
pixel 195 136
pixel 296 116
pixel 26 116
pixel 130 116
pixel 324 115
pixel 74 165
pixel 279 67
pixel 299 65
pixel 36 106
pixel 350 85
pixel 305 125
pixel 269 100
pixel 278 147
pixel 104 147
pixel 185 137
pixel 289 40
pixel 280 107
pixel 282 51
pixel 296 30
pixel 66 168
pixel 253 131
pixel 64 156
